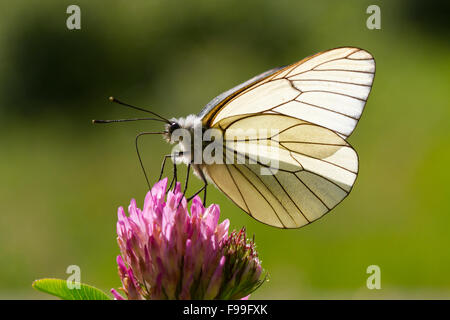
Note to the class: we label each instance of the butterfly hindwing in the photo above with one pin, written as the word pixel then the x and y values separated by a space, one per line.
pixel 289 177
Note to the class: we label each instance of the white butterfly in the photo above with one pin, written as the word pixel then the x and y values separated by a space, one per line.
pixel 313 105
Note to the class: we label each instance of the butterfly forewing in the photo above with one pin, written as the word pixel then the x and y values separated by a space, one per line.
pixel 329 89
pixel 215 104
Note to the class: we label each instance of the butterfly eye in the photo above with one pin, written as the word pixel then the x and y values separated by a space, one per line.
pixel 174 126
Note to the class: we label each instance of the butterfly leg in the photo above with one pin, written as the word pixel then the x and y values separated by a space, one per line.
pixel 205 185
pixel 185 183
pixel 204 188
pixel 163 166
pixel 174 176
pixel 197 192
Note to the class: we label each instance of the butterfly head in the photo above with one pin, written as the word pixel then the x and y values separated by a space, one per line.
pixel 170 128
pixel 188 125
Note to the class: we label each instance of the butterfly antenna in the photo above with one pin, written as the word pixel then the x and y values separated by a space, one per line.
pixel 112 99
pixel 125 120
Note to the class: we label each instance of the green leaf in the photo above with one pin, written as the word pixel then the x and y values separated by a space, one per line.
pixel 59 288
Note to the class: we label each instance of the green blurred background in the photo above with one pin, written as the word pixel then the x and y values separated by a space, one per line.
pixel 62 178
